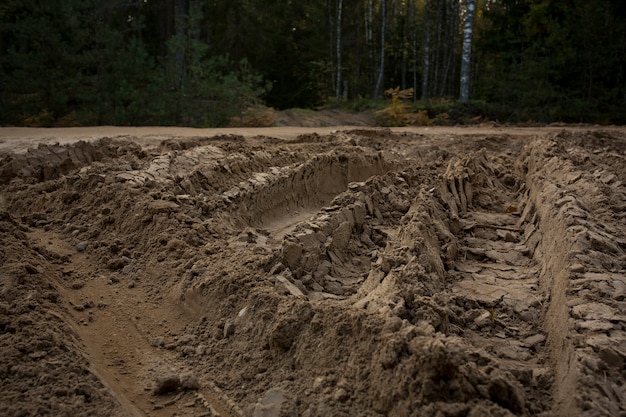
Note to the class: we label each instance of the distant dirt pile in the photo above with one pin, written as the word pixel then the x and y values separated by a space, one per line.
pixel 358 273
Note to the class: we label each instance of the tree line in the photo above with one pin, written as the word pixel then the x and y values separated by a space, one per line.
pixel 203 62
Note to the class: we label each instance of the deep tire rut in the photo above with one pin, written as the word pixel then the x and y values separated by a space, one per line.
pixel 496 278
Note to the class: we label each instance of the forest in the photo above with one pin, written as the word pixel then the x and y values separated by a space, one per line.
pixel 203 62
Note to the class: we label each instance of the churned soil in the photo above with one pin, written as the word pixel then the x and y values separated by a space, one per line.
pixel 313 272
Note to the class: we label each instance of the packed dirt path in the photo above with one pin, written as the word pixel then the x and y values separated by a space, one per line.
pixel 19 139
pixel 473 271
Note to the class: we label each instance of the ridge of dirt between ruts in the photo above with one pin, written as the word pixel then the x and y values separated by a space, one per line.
pixel 358 309
pixel 583 212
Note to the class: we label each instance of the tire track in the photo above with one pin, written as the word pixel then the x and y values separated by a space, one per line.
pixel 496 276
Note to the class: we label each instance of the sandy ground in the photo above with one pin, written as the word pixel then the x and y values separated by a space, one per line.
pixel 19 139
pixel 475 271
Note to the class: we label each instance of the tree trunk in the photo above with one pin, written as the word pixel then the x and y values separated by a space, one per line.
pixel 338 89
pixel 405 52
pixel 438 49
pixel 426 63
pixel 179 16
pixel 449 62
pixel 331 46
pixel 179 57
pixel 197 18
pixel 414 47
pixel 467 51
pixel 369 23
pixel 383 29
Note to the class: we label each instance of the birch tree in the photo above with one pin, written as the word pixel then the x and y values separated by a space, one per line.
pixel 338 86
pixel 467 50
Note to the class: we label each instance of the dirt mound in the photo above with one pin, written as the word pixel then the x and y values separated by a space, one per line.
pixel 48 162
pixel 361 272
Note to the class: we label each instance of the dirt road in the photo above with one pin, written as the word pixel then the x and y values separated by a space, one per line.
pixel 19 139
pixel 473 271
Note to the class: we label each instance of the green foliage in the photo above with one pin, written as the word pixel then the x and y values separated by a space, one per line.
pixel 453 112
pixel 131 99
pixel 554 60
pixel 211 94
pixel 285 41
pixel 217 94
pixel 76 62
pixel 73 62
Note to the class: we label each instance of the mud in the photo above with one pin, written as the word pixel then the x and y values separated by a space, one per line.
pixel 358 272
